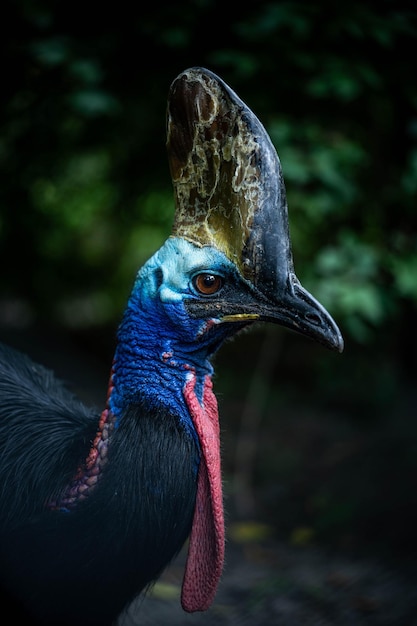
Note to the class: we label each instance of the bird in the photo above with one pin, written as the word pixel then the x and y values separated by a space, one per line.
pixel 95 505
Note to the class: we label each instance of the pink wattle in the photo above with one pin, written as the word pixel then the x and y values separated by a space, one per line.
pixel 206 548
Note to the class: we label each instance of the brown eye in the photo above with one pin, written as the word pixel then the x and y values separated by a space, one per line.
pixel 207 284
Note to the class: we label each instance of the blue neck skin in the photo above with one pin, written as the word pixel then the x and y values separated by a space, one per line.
pixel 158 342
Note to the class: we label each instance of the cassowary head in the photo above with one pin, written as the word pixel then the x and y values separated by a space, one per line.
pixel 229 261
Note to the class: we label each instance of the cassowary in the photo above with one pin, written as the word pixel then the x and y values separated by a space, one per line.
pixel 94 507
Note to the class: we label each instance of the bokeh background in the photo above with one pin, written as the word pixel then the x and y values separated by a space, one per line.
pixel 320 450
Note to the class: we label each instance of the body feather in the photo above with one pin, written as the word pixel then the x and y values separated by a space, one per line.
pixel 124 534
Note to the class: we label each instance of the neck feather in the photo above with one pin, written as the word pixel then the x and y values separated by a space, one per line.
pixel 151 364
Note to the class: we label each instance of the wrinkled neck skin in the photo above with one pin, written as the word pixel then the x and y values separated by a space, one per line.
pixel 160 347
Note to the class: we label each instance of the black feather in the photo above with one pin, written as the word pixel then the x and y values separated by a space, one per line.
pixel 83 566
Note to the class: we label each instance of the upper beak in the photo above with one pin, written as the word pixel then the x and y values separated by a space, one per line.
pixel 230 193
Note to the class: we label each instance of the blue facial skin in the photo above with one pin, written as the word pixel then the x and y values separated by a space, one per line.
pixel 156 329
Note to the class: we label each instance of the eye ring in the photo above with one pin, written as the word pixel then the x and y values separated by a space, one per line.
pixel 207 284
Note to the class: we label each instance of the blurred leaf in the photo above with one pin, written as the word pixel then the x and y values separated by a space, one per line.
pixel 345 280
pixel 87 70
pixel 52 51
pixel 405 275
pixel 92 102
pixel 302 536
pixel 165 591
pixel 249 532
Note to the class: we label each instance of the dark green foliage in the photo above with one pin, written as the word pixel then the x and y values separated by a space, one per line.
pixel 86 194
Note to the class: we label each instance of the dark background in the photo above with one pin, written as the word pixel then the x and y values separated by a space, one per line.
pixel 321 448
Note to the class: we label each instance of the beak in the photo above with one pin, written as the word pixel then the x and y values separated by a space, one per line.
pixel 295 308
pixel 230 194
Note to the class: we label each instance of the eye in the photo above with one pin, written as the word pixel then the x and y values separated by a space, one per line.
pixel 207 284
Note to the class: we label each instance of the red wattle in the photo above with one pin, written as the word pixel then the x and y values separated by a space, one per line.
pixel 206 548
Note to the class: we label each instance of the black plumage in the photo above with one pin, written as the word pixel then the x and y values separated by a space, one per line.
pixel 76 559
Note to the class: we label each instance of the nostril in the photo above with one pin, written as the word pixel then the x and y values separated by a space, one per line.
pixel 313 318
